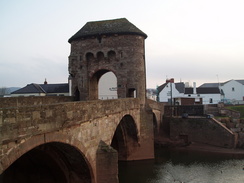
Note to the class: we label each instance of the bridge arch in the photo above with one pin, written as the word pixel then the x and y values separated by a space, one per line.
pixel 155 125
pixel 51 161
pixel 125 138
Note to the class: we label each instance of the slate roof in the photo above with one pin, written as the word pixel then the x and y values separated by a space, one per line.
pixel 209 85
pixel 161 87
pixel 30 88
pixel 203 90
pixel 241 81
pixel 221 84
pixel 56 88
pixel 107 27
pixel 43 88
pixel 200 90
pixel 179 86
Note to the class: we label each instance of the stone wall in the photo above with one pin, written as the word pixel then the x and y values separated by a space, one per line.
pixel 9 102
pixel 124 55
pixel 236 126
pixel 203 130
pixel 31 120
pixel 179 110
pixel 229 113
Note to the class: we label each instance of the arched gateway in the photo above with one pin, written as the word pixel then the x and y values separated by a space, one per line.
pixel 111 45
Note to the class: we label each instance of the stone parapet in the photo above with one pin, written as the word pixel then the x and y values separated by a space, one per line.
pixel 10 102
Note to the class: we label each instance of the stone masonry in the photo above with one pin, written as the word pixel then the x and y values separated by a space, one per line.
pixel 112 45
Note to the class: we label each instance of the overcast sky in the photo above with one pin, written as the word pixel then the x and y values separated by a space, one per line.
pixel 189 40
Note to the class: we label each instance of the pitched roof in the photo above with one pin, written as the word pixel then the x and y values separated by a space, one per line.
pixel 56 88
pixel 30 88
pixel 107 27
pixel 203 90
pixel 241 81
pixel 179 86
pixel 161 87
pixel 209 85
pixel 43 88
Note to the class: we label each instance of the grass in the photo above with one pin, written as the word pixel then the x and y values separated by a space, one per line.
pixel 237 108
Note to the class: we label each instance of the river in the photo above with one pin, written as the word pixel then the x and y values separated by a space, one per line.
pixel 183 167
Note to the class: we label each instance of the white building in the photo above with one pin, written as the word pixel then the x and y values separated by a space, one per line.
pixel 170 90
pixel 182 94
pixel 152 94
pixel 233 91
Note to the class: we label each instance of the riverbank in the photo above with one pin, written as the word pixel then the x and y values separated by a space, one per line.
pixel 181 145
pixel 212 149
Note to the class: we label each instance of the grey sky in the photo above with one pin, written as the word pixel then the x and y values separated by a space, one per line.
pixel 189 40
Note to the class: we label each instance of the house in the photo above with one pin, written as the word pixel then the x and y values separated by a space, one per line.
pixel 170 90
pixel 182 94
pixel 45 89
pixel 206 95
pixel 232 90
pixel 152 94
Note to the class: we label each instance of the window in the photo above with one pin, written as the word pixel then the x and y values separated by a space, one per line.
pixel 111 55
pixel 132 92
pixel 233 89
pixel 210 100
pixel 89 56
pixel 100 55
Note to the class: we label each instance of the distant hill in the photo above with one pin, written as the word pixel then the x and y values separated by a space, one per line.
pixel 12 89
pixel 7 91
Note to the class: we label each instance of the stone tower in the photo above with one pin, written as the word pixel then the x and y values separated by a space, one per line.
pixel 110 45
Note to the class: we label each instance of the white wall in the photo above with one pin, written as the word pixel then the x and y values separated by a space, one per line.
pixel 216 98
pixel 28 94
pixel 233 90
pixel 165 94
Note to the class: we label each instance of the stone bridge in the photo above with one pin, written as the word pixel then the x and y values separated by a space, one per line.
pixel 58 140
pixel 54 139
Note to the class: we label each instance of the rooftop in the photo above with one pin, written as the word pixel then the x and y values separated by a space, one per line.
pixel 107 27
pixel 43 88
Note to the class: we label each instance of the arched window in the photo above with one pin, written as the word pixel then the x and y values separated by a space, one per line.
pixel 111 55
pixel 89 56
pixel 100 55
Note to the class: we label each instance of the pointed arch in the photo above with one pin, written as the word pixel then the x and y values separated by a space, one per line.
pixel 125 137
pixel 94 81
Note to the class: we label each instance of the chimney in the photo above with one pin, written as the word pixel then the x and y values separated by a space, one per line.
pixel 170 80
pixel 194 88
pixel 45 82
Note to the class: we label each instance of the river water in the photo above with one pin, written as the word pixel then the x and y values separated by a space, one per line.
pixel 183 166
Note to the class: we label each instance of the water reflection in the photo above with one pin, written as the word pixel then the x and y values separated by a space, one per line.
pixel 179 166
